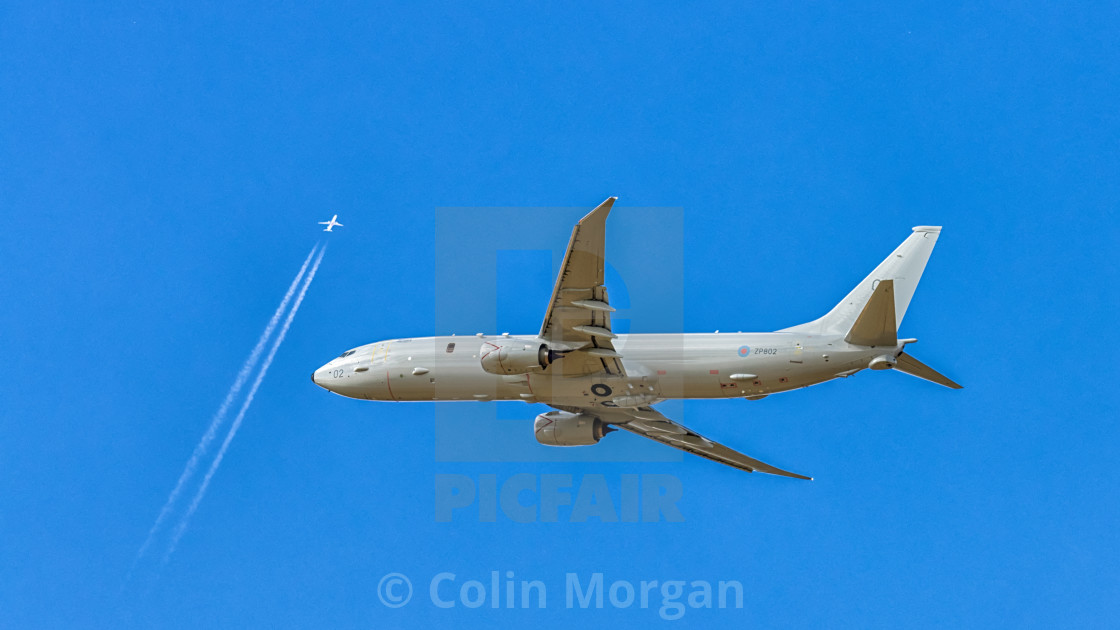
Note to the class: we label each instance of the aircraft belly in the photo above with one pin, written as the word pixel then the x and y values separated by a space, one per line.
pixel 605 389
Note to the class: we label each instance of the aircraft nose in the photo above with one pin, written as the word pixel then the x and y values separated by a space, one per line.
pixel 315 378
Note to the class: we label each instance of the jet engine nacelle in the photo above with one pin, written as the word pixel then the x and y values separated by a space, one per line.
pixel 510 356
pixel 560 428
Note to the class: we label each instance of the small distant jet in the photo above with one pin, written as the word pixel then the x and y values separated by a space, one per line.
pixel 331 224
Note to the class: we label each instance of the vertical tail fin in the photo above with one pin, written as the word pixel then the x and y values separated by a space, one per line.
pixel 903 267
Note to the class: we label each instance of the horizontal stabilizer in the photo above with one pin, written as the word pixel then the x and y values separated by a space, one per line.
pixel 876 324
pixel 914 367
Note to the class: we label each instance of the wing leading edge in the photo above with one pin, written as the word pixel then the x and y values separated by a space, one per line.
pixel 647 422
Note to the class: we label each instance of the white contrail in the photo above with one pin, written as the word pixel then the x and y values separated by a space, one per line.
pixel 241 412
pixel 220 416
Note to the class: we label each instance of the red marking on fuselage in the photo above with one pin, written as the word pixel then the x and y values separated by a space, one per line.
pixel 390 387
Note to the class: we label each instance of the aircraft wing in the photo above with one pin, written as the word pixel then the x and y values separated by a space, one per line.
pixel 647 422
pixel 578 320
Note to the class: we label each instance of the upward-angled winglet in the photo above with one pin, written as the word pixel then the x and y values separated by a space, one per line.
pixel 600 212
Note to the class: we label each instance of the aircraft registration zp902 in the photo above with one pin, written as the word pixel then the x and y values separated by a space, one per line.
pixel 598 381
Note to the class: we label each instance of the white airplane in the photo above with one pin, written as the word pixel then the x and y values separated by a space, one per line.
pixel 331 224
pixel 598 381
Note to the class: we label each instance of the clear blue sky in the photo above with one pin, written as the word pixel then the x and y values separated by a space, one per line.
pixel 162 169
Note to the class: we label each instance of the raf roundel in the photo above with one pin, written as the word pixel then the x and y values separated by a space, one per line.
pixel 744 350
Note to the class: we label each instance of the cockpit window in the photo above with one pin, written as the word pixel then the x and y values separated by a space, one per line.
pixel 346 354
pixel 451 347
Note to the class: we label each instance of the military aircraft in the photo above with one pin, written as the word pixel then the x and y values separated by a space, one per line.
pixel 333 223
pixel 598 381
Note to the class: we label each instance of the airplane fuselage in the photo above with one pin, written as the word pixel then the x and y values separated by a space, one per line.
pixel 657 367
